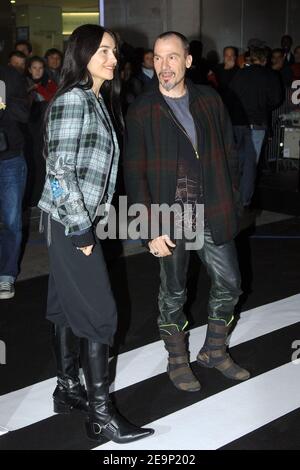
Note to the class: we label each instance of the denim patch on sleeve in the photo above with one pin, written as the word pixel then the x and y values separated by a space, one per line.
pixel 57 190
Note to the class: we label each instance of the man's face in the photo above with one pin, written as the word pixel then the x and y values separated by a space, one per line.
pixel 297 55
pixel 170 62
pixel 18 63
pixel 286 43
pixel 54 61
pixel 277 61
pixel 23 48
pixel 148 61
pixel 229 56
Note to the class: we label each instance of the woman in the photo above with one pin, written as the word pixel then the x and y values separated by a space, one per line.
pixel 41 90
pixel 82 157
pixel 41 87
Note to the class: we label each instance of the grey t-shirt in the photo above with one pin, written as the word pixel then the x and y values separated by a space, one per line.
pixel 181 109
pixel 189 191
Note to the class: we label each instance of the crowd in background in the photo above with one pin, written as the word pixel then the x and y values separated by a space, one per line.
pixel 136 70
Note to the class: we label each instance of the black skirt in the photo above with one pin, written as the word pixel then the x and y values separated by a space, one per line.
pixel 79 291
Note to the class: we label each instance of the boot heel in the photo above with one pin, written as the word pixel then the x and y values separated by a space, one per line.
pixel 61 408
pixel 94 433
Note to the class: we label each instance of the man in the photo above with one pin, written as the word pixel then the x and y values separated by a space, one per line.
pixel 297 55
pixel 147 70
pixel 179 148
pixel 279 64
pixel 17 59
pixel 255 92
pixel 54 58
pixel 225 72
pixel 139 82
pixel 25 47
pixel 296 66
pixel 286 45
pixel 12 177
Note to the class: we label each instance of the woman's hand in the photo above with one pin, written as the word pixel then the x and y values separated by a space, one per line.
pixel 86 250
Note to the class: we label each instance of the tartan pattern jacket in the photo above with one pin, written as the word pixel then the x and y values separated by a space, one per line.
pixel 151 154
pixel 82 160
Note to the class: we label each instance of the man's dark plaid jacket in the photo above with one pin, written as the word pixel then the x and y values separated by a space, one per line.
pixel 151 153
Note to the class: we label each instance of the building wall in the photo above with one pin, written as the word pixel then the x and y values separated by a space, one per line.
pixel 220 25
pixel 6 30
pixel 138 22
pixel 183 16
pixel 217 22
pixel 294 21
pixel 264 20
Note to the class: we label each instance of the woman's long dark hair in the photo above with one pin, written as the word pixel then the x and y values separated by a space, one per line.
pixel 83 44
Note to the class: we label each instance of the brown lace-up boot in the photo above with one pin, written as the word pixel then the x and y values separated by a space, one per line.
pixel 213 354
pixel 179 369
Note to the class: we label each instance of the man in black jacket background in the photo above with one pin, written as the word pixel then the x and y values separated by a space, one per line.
pixel 256 91
pixel 13 174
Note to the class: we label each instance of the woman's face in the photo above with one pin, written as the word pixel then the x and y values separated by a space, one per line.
pixel 103 62
pixel 36 70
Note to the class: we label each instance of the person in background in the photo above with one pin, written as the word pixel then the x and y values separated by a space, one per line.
pixel 147 68
pixel 255 91
pixel 199 72
pixel 17 59
pixel 25 47
pixel 54 59
pixel 136 76
pixel 40 85
pixel 225 72
pixel 296 66
pixel 13 172
pixel 286 46
pixel 41 90
pixel 279 64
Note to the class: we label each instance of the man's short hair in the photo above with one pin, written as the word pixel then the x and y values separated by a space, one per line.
pixel 18 54
pixel 25 43
pixel 258 53
pixel 278 50
pixel 287 36
pixel 235 50
pixel 53 51
pixel 183 39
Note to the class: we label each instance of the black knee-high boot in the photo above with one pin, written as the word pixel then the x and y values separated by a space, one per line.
pixel 69 393
pixel 104 421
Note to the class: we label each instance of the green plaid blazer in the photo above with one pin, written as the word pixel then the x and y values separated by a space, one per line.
pixel 82 160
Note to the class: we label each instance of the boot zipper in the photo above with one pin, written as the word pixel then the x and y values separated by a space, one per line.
pixel 185 133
